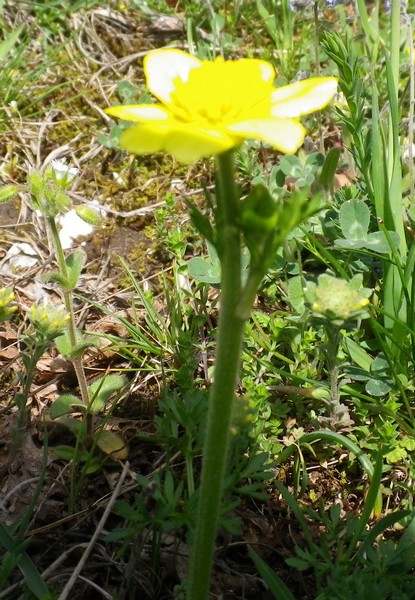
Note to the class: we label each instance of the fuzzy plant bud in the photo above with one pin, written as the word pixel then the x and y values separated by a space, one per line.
pixel 7 306
pixel 48 319
pixel 89 215
pixel 47 194
pixel 337 299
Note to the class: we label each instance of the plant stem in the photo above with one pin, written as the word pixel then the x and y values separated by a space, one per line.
pixel 230 335
pixel 72 333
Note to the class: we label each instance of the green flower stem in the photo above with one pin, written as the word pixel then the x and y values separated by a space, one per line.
pixel 230 335
pixel 68 300
pixel 31 356
pixel 331 352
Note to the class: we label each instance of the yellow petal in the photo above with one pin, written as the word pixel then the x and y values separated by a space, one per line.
pixel 187 146
pixel 286 135
pixel 144 139
pixel 162 69
pixel 139 112
pixel 302 97
pixel 252 66
pixel 186 143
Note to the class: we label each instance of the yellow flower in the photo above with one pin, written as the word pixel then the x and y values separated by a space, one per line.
pixel 208 107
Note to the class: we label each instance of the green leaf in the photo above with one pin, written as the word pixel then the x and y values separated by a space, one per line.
pixel 102 389
pixel 396 455
pixel 354 217
pixel 358 354
pixel 206 270
pixel 55 277
pixel 201 222
pixel 329 169
pixel 75 426
pixel 291 166
pixel 378 242
pixel 408 443
pixel 380 366
pixel 67 453
pixel 203 270
pixel 127 92
pixel 74 264
pixel 7 45
pixel 64 405
pixel 295 292
pixel 7 192
pixel 113 139
pixel 259 213
pixel 274 583
pixel 377 387
pixel 64 346
pixel 315 160
pixel 350 244
pixel 298 563
pixel 63 342
pixel 31 575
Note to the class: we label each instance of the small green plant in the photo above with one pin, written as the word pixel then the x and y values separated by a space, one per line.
pixel 336 304
pixel 48 194
pixel 346 559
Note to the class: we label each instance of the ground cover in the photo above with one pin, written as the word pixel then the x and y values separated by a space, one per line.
pixel 102 427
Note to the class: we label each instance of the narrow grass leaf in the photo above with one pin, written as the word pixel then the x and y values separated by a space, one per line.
pixel 32 576
pixel 272 580
pixel 7 45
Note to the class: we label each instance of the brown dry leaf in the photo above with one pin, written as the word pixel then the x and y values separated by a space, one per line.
pixel 8 342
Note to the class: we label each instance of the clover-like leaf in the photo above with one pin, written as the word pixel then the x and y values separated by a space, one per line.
pixel 206 270
pixel 377 387
pixel 203 270
pixel 378 242
pixel 354 217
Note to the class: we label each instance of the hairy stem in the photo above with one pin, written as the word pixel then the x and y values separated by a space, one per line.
pixel 222 396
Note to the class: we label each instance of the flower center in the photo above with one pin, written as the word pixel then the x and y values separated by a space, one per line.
pixel 222 92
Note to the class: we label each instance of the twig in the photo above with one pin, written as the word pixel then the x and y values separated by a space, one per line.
pixel 71 582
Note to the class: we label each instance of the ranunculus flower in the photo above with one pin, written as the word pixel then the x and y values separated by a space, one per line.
pixel 208 107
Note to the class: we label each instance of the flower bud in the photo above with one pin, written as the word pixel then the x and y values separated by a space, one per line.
pixel 7 306
pixel 48 319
